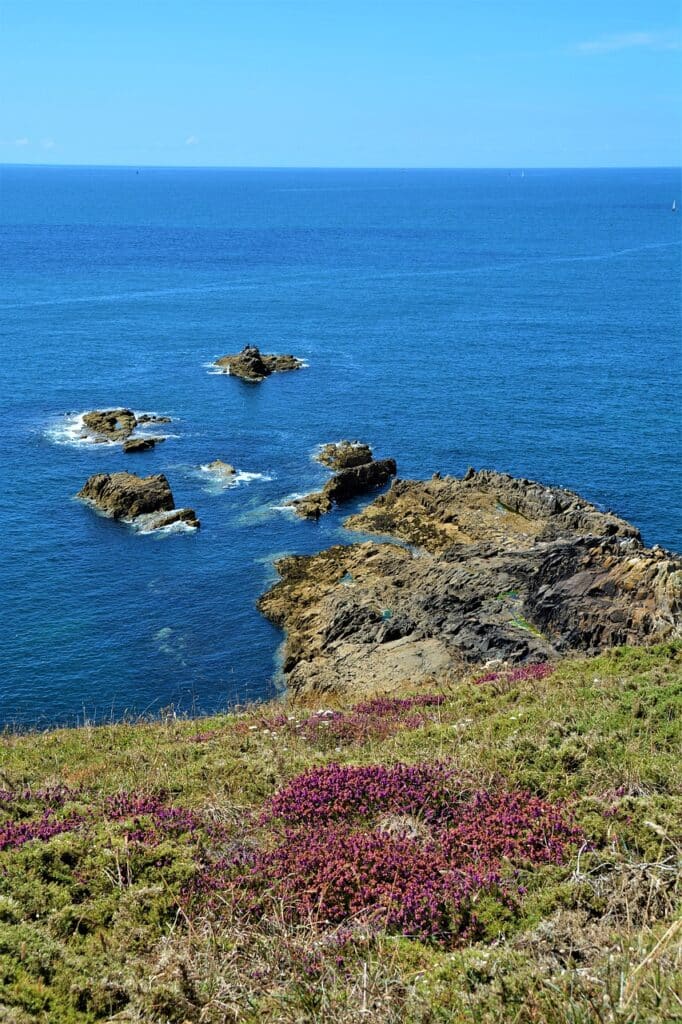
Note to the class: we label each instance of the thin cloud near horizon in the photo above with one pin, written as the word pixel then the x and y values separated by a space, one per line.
pixel 668 40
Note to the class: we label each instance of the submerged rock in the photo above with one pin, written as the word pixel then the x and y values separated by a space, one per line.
pixel 149 417
pixel 252 365
pixel 505 569
pixel 141 444
pixel 220 468
pixel 127 496
pixel 164 519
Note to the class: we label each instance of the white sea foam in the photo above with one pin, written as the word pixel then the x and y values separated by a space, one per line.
pixel 143 524
pixel 70 429
pixel 218 481
pixel 286 504
pixel 216 370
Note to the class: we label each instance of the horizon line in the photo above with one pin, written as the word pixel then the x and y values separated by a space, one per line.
pixel 355 167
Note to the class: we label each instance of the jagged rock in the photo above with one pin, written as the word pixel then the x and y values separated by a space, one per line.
pixel 110 424
pixel 484 506
pixel 349 483
pixel 127 496
pixel 220 468
pixel 252 365
pixel 312 506
pixel 344 454
pixel 344 485
pixel 504 569
pixel 141 444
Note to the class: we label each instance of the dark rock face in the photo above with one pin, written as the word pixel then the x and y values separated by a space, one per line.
pixel 141 444
pixel 252 365
pixel 348 483
pixel 506 569
pixel 126 496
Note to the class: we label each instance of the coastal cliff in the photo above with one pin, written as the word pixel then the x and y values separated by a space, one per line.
pixel 490 568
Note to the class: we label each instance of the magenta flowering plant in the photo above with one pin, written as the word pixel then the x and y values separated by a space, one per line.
pixel 16 833
pixel 515 826
pixel 337 873
pixel 149 819
pixel 373 719
pixel 540 670
pixel 146 819
pixel 32 814
pixel 409 848
pixel 346 792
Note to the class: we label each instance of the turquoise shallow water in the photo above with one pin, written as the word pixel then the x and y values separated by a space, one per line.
pixel 526 323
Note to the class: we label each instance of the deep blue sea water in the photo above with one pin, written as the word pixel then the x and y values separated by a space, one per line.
pixel 529 323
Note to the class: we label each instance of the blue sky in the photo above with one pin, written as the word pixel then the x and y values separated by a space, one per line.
pixel 406 83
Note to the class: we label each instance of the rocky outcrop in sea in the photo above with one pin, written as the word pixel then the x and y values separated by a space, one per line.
pixel 145 501
pixel 107 425
pixel 141 444
pixel 220 468
pixel 485 567
pixel 344 454
pixel 254 366
pixel 357 472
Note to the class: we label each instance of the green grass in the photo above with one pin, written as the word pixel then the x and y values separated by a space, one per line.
pixel 92 927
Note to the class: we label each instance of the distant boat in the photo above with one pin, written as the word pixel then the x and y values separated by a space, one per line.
pixel 674 206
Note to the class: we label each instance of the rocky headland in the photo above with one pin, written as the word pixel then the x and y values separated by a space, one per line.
pixel 357 472
pixel 254 366
pixel 107 425
pixel 145 501
pixel 491 567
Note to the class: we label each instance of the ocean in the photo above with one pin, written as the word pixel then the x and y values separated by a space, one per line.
pixel 523 321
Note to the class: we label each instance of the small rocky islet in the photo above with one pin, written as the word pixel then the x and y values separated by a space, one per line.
pixel 496 568
pixel 254 366
pixel 356 472
pixel 104 426
pixel 219 468
pixel 146 502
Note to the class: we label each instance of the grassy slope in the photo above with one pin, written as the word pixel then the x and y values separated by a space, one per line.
pixel 91 928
